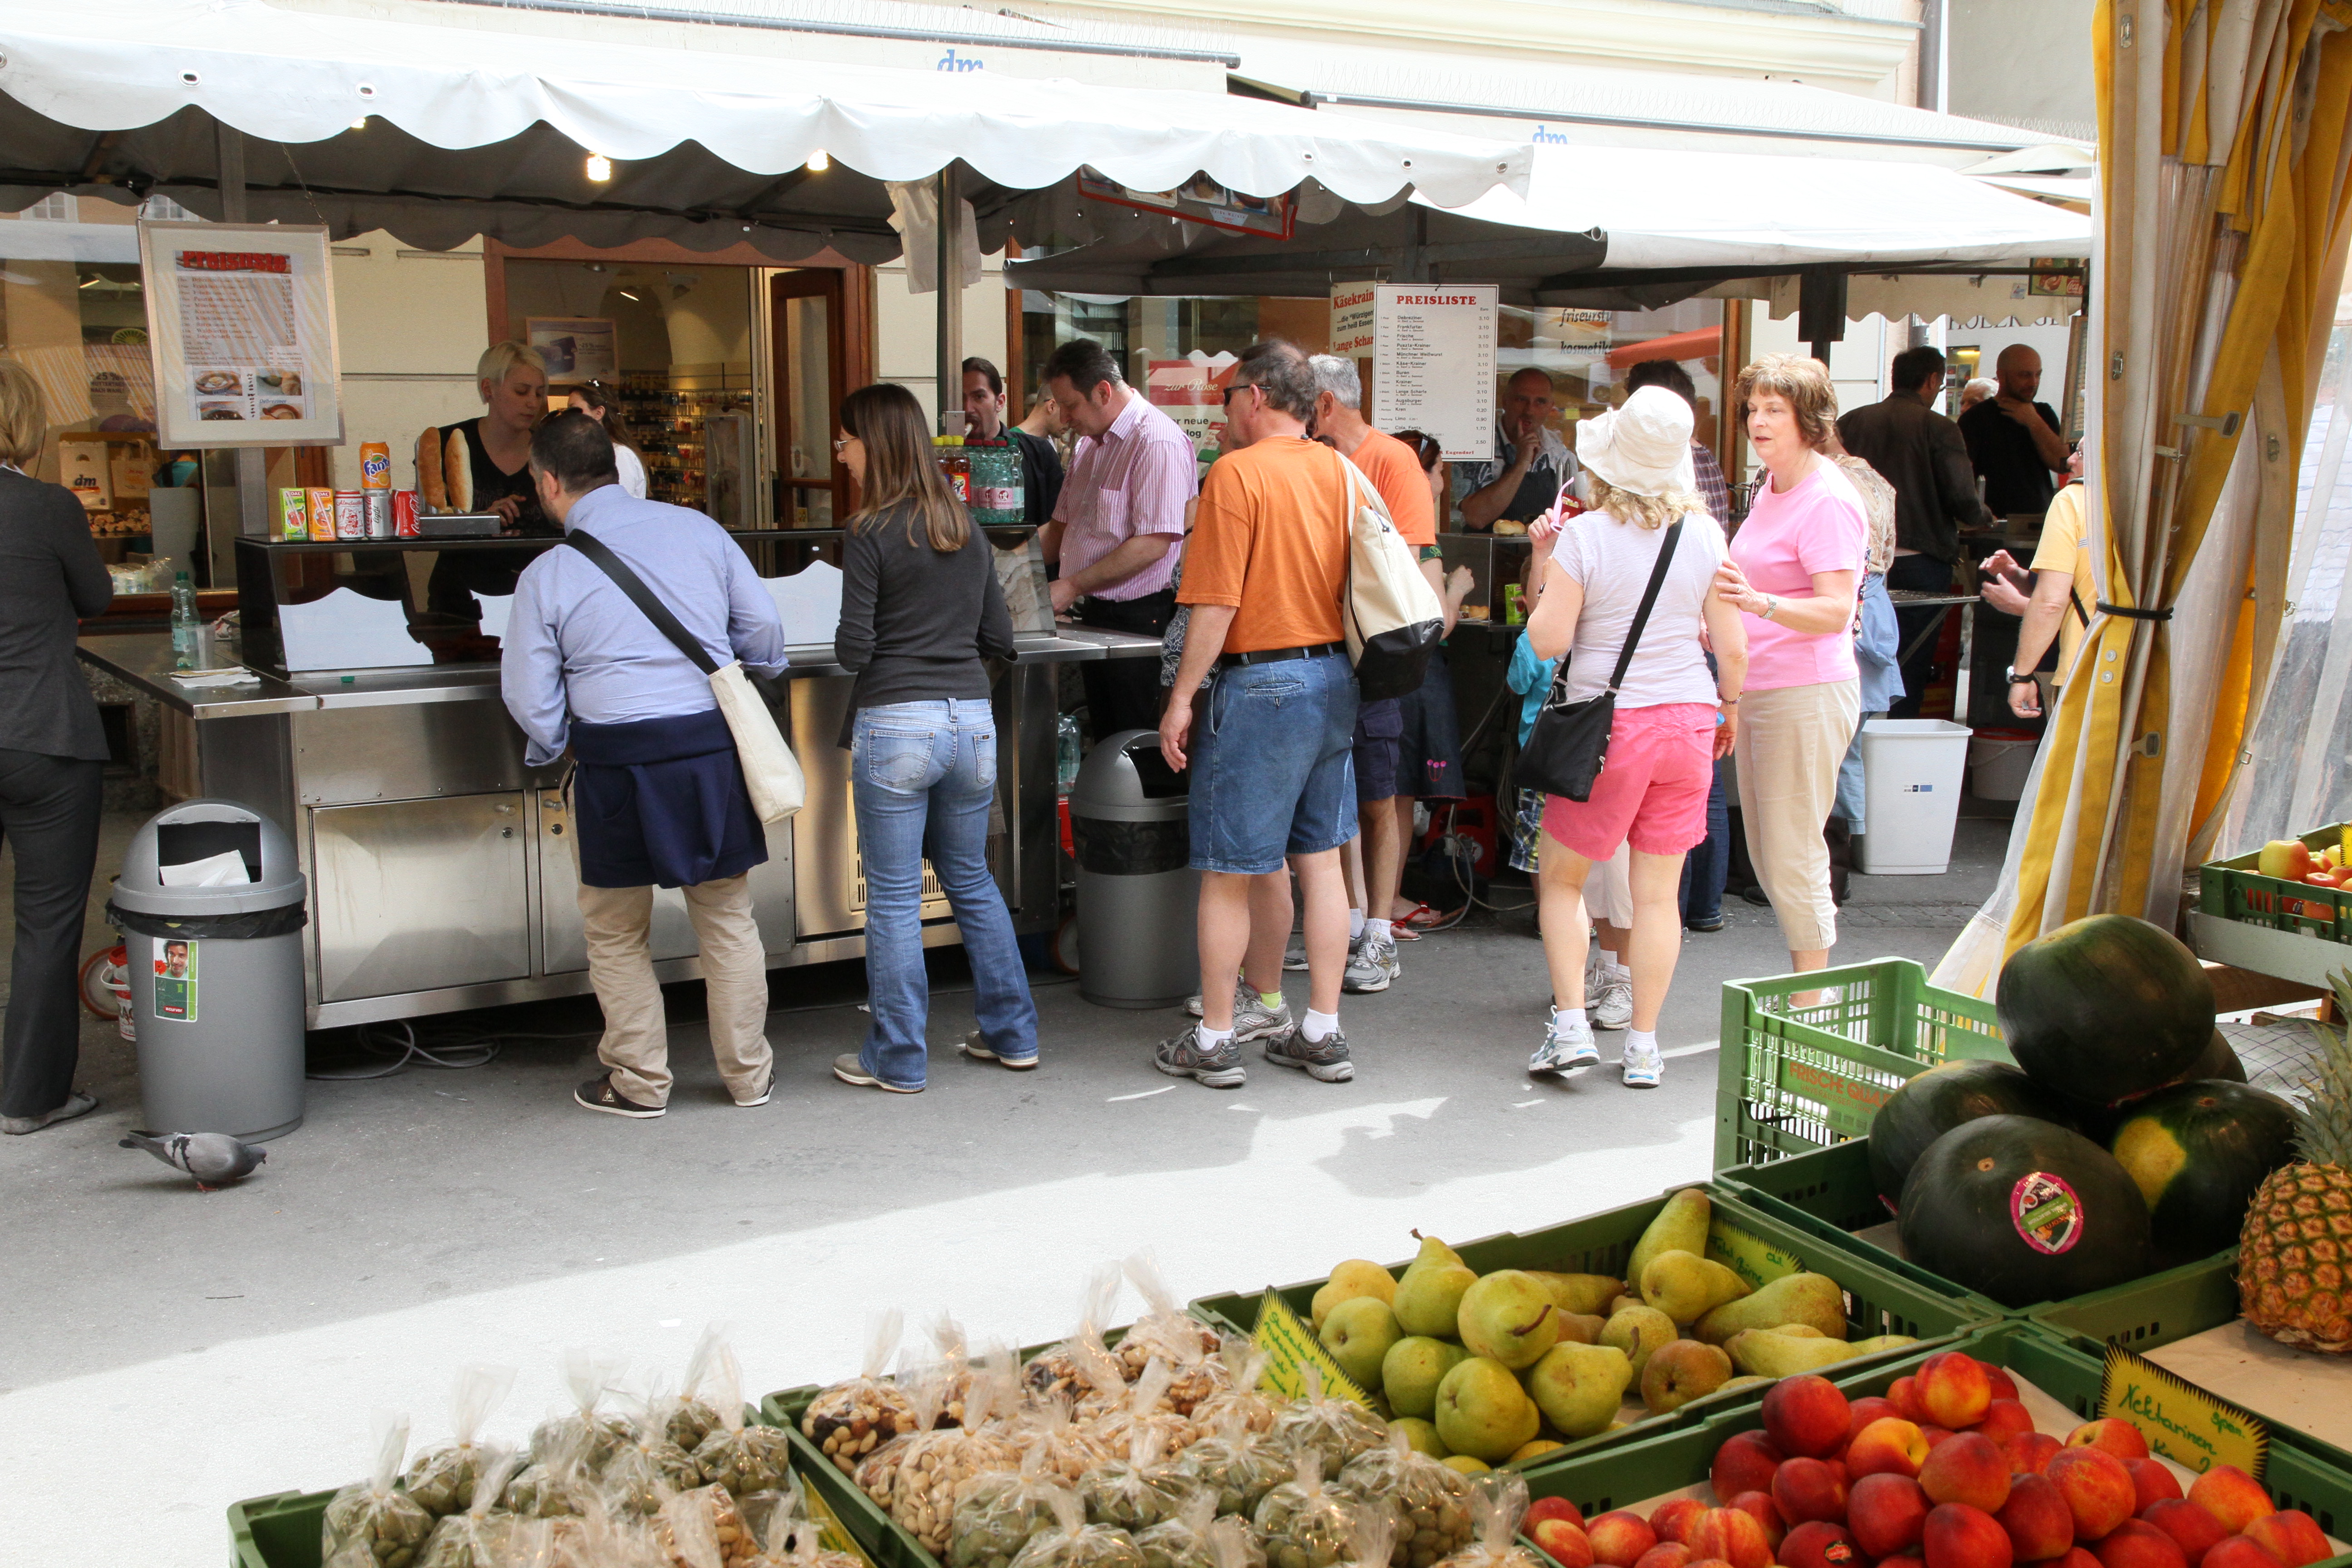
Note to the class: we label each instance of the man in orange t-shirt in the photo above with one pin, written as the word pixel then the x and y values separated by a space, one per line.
pixel 1267 741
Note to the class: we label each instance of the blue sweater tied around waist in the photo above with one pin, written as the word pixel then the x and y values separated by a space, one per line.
pixel 662 801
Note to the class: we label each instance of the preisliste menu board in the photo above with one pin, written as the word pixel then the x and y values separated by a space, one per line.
pixel 1434 364
pixel 242 321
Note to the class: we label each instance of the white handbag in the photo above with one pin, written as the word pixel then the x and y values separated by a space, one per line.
pixel 1392 616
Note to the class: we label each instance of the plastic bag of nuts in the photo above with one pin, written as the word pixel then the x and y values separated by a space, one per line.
pixel 704 1529
pixel 372 1516
pixel 851 1420
pixel 591 1433
pixel 952 1369
pixel 743 1459
pixel 556 1483
pixel 1138 1491
pixel 442 1480
pixel 646 1472
pixel 1338 1428
pixel 693 1417
pixel 1174 1335
pixel 1181 1541
pixel 1235 1465
pixel 1233 1544
pixel 998 1513
pixel 1055 1370
pixel 1498 1501
pixel 1072 1542
pixel 597 1540
pixel 878 1470
pixel 1068 1450
pixel 1304 1525
pixel 479 1538
pixel 1244 1366
pixel 1428 1501
pixel 794 1541
pixel 937 1464
pixel 1146 1408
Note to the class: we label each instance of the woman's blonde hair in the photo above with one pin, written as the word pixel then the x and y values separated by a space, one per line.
pixel 24 415
pixel 500 361
pixel 1804 381
pixel 1653 512
pixel 900 467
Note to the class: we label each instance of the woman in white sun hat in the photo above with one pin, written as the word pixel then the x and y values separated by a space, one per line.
pixel 1672 718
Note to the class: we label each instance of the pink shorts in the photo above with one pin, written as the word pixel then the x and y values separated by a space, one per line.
pixel 1652 790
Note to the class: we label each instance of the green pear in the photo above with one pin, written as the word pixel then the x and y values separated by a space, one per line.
pixel 1686 1286
pixel 1420 1436
pixel 1580 1328
pixel 1359 1333
pixel 1483 1412
pixel 1620 1301
pixel 1353 1279
pixel 1799 1330
pixel 1509 1316
pixel 1429 1297
pixel 1579 1388
pixel 1412 1371
pixel 1681 1372
pixel 1880 1344
pixel 1814 1299
pixel 1745 1380
pixel 1638 1332
pixel 1465 1464
pixel 1680 1225
pixel 1763 1354
pixel 1587 1293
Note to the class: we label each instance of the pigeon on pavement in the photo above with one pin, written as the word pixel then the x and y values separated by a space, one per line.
pixel 214 1159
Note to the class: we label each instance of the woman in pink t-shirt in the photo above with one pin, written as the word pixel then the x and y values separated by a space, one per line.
pixel 1794 569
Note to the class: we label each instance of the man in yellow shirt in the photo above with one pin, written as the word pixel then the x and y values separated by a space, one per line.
pixel 2062 597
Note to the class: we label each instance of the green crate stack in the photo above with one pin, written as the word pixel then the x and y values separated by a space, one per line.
pixel 1828 1195
pixel 2232 889
pixel 1795 1078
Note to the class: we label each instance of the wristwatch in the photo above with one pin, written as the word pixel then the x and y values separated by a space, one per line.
pixel 2014 677
pixel 1771 603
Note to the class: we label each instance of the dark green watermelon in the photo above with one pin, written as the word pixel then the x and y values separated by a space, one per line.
pixel 2023 1211
pixel 2105 1007
pixel 2198 1152
pixel 1941 1098
pixel 2098 1122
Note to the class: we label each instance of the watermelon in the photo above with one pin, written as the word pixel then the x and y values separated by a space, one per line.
pixel 1941 1098
pixel 2023 1211
pixel 2098 1122
pixel 2198 1152
pixel 2105 1007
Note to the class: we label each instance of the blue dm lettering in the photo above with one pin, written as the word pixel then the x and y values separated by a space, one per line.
pixel 951 61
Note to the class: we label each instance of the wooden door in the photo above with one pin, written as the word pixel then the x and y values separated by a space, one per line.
pixel 810 361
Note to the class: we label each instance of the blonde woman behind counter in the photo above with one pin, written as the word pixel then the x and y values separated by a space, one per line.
pixel 483 464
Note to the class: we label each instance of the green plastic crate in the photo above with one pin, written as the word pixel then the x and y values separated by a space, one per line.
pixel 1792 1080
pixel 2232 889
pixel 1631 1473
pixel 281 1530
pixel 2150 1311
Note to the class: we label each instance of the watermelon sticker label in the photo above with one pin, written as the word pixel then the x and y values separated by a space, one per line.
pixel 2046 1213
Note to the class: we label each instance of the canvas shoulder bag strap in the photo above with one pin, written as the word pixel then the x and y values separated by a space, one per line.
pixel 1649 601
pixel 629 583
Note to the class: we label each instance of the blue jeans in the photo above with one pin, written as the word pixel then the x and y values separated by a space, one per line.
pixel 1707 868
pixel 922 776
pixel 1852 797
pixel 1270 764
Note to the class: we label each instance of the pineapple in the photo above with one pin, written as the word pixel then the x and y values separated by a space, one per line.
pixel 2297 1246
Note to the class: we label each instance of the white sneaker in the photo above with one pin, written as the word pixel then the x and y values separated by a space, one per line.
pixel 1371 965
pixel 1610 1001
pixel 1642 1070
pixel 1567 1048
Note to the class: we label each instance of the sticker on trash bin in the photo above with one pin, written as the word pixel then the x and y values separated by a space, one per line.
pixel 175 981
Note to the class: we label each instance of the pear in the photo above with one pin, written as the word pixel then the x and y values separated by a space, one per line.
pixel 1465 1464
pixel 1580 1328
pixel 1800 1331
pixel 1814 1299
pixel 1359 1333
pixel 1680 1225
pixel 1587 1293
pixel 1763 1354
pixel 1620 1301
pixel 1745 1380
pixel 1412 1371
pixel 1483 1412
pixel 1681 1372
pixel 1880 1344
pixel 1353 1279
pixel 1526 1451
pixel 1509 1316
pixel 1637 1332
pixel 1579 1388
pixel 1429 1297
pixel 1420 1436
pixel 1686 1286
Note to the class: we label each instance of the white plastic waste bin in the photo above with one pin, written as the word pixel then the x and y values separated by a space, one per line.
pixel 1912 770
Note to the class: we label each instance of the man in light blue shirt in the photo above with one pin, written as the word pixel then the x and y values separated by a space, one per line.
pixel 659 795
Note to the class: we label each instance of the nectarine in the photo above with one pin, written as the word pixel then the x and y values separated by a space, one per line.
pixel 1562 1543
pixel 2154 1483
pixel 2135 1544
pixel 2113 1434
pixel 1732 1534
pixel 2291 1535
pixel 2030 1452
pixel 1665 1555
pixel 2039 1522
pixel 1620 1538
pixel 2197 1530
pixel 1807 1417
pixel 1890 1447
pixel 1969 1470
pixel 1545 1507
pixel 1953 1390
pixel 1673 1519
pixel 1809 1489
pixel 1818 1543
pixel 2096 1488
pixel 1958 1536
pixel 1744 1464
pixel 2004 1419
pixel 2239 1552
pixel 1885 1513
pixel 2231 1497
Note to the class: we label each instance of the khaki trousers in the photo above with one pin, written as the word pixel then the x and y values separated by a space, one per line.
pixel 635 1046
pixel 1790 745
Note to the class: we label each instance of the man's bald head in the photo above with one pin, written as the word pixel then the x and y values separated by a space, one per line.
pixel 1529 403
pixel 2019 370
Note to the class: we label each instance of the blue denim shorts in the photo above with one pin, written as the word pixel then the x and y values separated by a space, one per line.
pixel 1271 774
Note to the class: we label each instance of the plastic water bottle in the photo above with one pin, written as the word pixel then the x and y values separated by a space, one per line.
pixel 187 632
pixel 1065 754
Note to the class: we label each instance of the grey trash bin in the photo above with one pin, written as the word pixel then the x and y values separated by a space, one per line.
pixel 216 974
pixel 1138 895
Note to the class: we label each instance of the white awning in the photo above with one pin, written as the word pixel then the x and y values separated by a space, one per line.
pixel 708 146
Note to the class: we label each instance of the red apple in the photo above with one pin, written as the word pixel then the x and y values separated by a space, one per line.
pixel 2039 1522
pixel 2232 1496
pixel 2197 1530
pixel 2004 1419
pixel 1744 1464
pixel 1818 1543
pixel 1885 1513
pixel 2154 1481
pixel 1673 1519
pixel 2291 1536
pixel 2030 1452
pixel 2239 1552
pixel 1969 1469
pixel 1620 1538
pixel 1953 1390
pixel 2135 1544
pixel 1891 1446
pixel 1562 1543
pixel 1806 1490
pixel 2113 1434
pixel 1807 1417
pixel 1545 1507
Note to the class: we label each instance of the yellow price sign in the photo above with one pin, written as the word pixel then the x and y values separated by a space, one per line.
pixel 2181 1421
pixel 1290 1348
pixel 830 1532
pixel 1748 1255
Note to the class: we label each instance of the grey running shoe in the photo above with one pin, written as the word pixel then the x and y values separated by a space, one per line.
pixel 1294 956
pixel 1643 1069
pixel 1372 964
pixel 1326 1058
pixel 1567 1048
pixel 1254 1020
pixel 1610 1005
pixel 1183 1057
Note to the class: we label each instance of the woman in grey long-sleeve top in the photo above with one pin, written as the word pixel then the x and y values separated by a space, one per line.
pixel 52 757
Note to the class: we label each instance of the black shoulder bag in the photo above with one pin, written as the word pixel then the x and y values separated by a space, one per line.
pixel 1569 745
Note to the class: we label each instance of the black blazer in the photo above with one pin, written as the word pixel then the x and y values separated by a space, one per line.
pixel 50 577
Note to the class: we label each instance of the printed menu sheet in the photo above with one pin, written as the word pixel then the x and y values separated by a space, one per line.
pixel 242 321
pixel 1434 364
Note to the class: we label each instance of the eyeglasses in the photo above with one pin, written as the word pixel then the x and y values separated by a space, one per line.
pixel 1239 387
pixel 841 441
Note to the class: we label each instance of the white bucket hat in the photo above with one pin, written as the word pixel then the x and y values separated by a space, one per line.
pixel 1644 447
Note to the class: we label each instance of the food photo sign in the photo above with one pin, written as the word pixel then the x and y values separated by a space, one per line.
pixel 242 321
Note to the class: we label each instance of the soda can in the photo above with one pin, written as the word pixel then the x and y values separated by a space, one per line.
pixel 376 507
pixel 403 514
pixel 293 514
pixel 319 501
pixel 350 515
pixel 375 466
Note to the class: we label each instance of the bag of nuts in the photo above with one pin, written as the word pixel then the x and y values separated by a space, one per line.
pixel 875 1473
pixel 372 1516
pixel 1239 1394
pixel 442 1480
pixel 1146 1407
pixel 953 1369
pixel 646 1472
pixel 937 1464
pixel 1233 1544
pixel 1174 1335
pixel 1181 1541
pixel 743 1459
pixel 1072 1542
pixel 998 1513
pixel 479 1538
pixel 1056 1370
pixel 1428 1501
pixel 1338 1428
pixel 850 1420
pixel 1498 1501
pixel 1235 1465
pixel 704 1529
pixel 1067 1450
pixel 1139 1491
pixel 592 1434
pixel 694 1416
pixel 595 1538
pixel 1305 1525
pixel 556 1483
pixel 795 1541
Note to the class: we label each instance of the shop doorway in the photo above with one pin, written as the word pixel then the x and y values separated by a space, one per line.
pixel 811 354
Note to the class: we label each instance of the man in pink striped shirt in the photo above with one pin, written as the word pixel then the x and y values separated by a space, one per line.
pixel 1116 532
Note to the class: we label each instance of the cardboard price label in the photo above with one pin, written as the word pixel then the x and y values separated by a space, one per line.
pixel 1748 1255
pixel 2181 1421
pixel 831 1533
pixel 1290 1348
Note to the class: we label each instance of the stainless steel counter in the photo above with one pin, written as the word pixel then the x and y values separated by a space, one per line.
pixel 439 877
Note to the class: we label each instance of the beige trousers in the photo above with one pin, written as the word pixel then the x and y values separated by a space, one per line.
pixel 635 1046
pixel 1790 745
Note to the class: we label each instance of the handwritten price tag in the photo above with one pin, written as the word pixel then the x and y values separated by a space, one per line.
pixel 2181 1421
pixel 1290 1348
pixel 1748 1255
pixel 831 1532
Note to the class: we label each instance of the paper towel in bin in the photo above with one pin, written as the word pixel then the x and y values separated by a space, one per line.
pixel 225 869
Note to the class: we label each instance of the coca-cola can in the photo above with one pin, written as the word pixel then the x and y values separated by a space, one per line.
pixel 376 507
pixel 350 515
pixel 403 514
